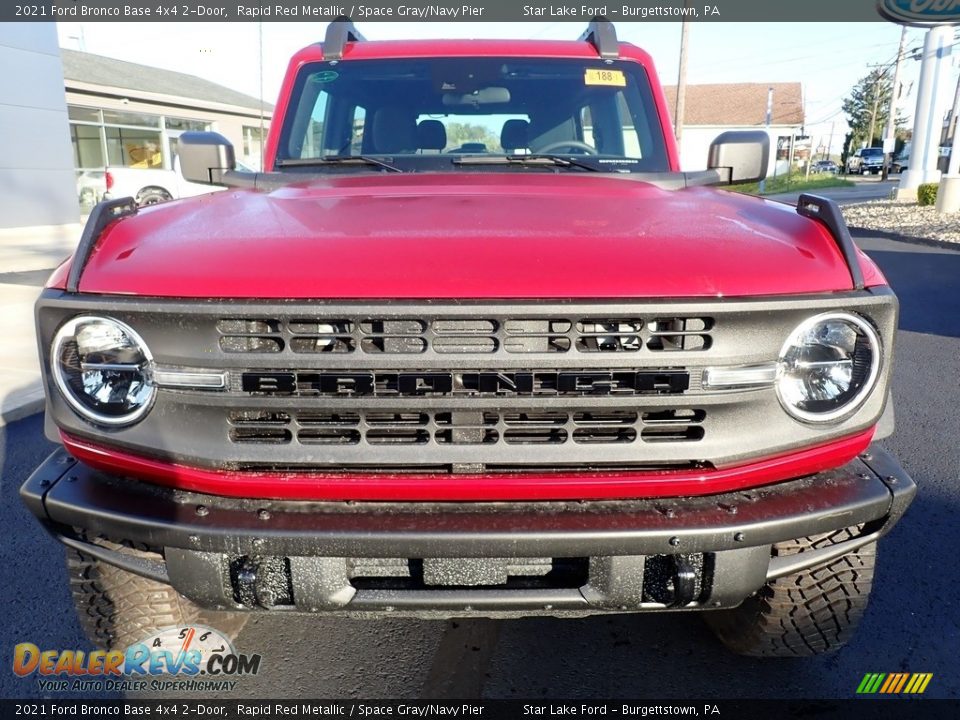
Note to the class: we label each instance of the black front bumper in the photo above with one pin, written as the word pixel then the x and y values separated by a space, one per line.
pixel 468 558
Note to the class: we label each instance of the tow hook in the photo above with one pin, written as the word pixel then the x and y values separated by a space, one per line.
pixel 262 581
pixel 684 582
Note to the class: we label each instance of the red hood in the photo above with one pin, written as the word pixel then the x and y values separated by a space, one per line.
pixel 484 235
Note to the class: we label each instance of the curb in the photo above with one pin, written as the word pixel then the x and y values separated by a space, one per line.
pixel 22 404
pixel 889 235
pixel 21 411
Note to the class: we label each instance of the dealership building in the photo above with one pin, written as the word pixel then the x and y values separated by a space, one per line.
pixel 123 114
pixel 69 114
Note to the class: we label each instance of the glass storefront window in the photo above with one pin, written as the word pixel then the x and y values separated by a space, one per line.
pixel 184 124
pixel 252 140
pixel 134 148
pixel 87 149
pixel 82 114
pixel 115 117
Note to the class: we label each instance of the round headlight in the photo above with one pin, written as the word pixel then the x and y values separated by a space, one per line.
pixel 828 366
pixel 101 367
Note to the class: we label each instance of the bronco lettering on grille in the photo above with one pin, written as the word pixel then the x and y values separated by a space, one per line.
pixel 393 384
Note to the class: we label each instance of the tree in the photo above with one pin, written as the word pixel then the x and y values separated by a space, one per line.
pixel 868 106
pixel 460 133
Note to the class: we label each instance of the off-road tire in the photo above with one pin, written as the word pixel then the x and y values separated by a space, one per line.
pixel 811 612
pixel 117 608
pixel 152 196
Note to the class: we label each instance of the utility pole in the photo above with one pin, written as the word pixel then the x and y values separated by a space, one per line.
pixel 680 109
pixel 830 141
pixel 763 183
pixel 878 76
pixel 889 137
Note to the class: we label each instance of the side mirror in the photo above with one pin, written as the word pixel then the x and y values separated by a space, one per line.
pixel 743 154
pixel 205 157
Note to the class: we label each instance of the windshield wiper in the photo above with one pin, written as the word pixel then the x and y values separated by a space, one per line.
pixel 544 159
pixel 338 160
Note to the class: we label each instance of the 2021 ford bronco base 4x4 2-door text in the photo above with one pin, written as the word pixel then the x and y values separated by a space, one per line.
pixel 472 344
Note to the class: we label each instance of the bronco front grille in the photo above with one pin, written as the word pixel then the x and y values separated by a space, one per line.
pixel 598 426
pixel 452 336
pixel 465 386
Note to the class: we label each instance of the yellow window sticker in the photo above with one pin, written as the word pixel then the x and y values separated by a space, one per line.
pixel 614 78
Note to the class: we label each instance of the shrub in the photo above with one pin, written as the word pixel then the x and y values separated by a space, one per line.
pixel 927 193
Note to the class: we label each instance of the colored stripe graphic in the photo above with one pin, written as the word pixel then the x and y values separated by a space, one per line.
pixel 891 681
pixel 918 683
pixel 903 681
pixel 894 683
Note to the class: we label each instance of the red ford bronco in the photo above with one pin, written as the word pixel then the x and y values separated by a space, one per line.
pixel 472 344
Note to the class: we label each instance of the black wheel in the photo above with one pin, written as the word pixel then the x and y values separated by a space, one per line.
pixel 811 612
pixel 117 608
pixel 152 196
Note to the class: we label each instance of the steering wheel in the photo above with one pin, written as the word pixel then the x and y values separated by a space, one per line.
pixel 588 149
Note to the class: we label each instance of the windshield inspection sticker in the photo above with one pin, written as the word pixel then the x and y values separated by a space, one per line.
pixel 614 78
pixel 325 76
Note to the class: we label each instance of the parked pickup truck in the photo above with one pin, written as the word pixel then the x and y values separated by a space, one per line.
pixel 151 186
pixel 391 376
pixel 866 160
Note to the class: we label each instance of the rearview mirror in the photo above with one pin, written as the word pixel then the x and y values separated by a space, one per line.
pixel 205 157
pixel 484 96
pixel 743 154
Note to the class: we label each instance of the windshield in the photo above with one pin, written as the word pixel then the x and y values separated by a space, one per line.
pixel 431 113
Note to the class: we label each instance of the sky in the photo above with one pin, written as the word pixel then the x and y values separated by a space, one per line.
pixel 827 58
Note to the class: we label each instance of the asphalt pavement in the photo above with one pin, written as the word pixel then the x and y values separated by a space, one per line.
pixel 913 623
pixel 864 189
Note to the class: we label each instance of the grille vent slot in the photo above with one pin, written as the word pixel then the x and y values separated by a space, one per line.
pixel 250 336
pixel 467 427
pixel 673 334
pixel 479 336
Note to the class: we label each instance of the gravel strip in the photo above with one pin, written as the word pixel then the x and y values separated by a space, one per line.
pixel 905 218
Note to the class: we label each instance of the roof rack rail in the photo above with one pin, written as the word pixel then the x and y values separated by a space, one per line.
pixel 339 32
pixel 603 36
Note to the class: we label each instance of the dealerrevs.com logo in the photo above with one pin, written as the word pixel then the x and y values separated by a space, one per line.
pixel 191 658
